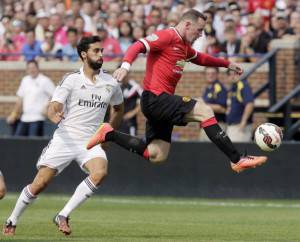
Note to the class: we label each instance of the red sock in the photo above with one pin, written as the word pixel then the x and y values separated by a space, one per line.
pixel 208 122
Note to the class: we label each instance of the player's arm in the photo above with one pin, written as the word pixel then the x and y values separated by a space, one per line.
pixel 208 60
pixel 116 115
pixel 130 56
pixel 217 108
pixel 16 112
pixel 246 114
pixel 55 112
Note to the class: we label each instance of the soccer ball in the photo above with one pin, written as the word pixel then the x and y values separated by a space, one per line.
pixel 268 136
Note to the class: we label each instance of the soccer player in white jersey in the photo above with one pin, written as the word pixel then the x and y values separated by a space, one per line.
pixel 78 105
pixel 2 186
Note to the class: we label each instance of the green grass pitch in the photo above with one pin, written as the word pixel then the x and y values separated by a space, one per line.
pixel 138 219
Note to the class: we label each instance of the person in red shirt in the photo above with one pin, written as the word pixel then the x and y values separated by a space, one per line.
pixel 168 51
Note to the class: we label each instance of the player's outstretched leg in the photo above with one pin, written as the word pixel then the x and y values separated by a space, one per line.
pixel 107 133
pixel 239 163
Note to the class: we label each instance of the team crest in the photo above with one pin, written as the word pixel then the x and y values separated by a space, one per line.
pixel 108 89
pixel 180 63
pixel 186 99
pixel 152 37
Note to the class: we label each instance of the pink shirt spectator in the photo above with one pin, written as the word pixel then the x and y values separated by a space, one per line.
pixel 112 49
pixel 60 36
pixel 19 40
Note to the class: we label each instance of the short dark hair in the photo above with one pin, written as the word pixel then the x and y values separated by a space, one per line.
pixel 84 43
pixel 72 30
pixel 33 62
pixel 193 15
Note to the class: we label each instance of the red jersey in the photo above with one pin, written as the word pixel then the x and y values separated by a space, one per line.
pixel 167 55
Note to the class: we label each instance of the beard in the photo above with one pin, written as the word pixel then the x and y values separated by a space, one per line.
pixel 95 65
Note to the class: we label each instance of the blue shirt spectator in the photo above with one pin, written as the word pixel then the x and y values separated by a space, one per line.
pixel 241 94
pixel 70 50
pixel 32 47
pixel 216 93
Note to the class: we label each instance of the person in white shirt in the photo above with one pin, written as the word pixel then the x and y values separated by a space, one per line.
pixel 78 105
pixel 33 96
pixel 2 186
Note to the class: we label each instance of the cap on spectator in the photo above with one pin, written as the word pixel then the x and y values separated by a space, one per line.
pixel 209 6
pixel 229 17
pixel 17 23
pixel 221 6
pixel 42 14
pixel 281 15
pixel 101 27
pixel 234 6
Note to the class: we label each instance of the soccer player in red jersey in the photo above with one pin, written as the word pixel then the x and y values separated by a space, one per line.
pixel 168 51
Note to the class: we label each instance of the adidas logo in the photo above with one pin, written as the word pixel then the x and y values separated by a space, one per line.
pixel 83 87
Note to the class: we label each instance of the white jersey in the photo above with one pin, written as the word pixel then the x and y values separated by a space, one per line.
pixel 85 103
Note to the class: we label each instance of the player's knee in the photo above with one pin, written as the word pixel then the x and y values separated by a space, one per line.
pixel 98 176
pixel 207 112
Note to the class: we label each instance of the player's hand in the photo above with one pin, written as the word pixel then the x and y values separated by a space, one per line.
pixel 57 117
pixel 11 119
pixel 120 74
pixel 236 68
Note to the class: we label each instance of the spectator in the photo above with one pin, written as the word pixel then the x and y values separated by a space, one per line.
pixel 232 44
pixel 215 95
pixel 239 117
pixel 138 32
pixel 70 50
pixel 112 50
pixel 56 26
pixel 32 48
pixel 260 38
pixel 281 27
pixel 18 35
pixel 131 93
pixel 42 25
pixel 9 50
pixel 212 45
pixel 112 25
pixel 79 25
pixel 33 95
pixel 50 49
pixel 125 35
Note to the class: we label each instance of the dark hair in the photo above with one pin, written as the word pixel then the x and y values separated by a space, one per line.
pixel 84 43
pixel 193 15
pixel 33 62
pixel 72 30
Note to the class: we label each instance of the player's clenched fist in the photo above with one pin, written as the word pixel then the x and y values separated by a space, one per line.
pixel 120 74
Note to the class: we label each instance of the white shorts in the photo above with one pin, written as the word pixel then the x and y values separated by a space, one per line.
pixel 60 152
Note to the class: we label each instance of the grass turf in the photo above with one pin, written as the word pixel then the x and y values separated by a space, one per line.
pixel 139 219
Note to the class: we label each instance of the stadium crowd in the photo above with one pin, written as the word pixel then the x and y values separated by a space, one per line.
pixel 50 30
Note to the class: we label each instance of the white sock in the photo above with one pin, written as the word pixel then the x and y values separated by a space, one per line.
pixel 25 198
pixel 84 190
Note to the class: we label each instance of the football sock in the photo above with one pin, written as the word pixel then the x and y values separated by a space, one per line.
pixel 220 138
pixel 129 142
pixel 83 191
pixel 25 198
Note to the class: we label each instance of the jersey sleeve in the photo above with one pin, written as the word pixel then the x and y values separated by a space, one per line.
pixel 63 90
pixel 157 41
pixel 117 97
